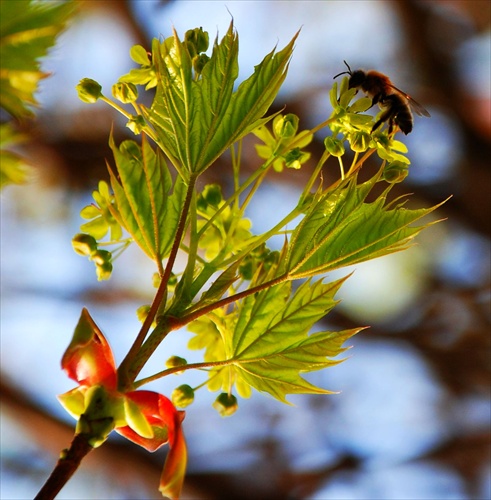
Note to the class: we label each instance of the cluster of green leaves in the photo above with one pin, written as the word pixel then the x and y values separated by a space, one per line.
pixel 235 294
pixel 27 30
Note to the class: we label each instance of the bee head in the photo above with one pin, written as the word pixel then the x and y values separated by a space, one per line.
pixel 356 78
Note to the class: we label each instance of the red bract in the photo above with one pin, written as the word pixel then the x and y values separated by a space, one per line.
pixel 88 359
pixel 147 418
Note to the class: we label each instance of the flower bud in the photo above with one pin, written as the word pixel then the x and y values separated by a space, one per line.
pixel 295 158
pixel 182 396
pixel 156 280
pixel 174 361
pixel 97 421
pixel 395 172
pixel 89 90
pixel 103 271
pixel 359 141
pixel 197 41
pixel 101 256
pixel 142 312
pixel 285 126
pixel 226 404
pixel 136 124
pixel 211 195
pixel 333 146
pixel 125 92
pixel 199 62
pixel 84 244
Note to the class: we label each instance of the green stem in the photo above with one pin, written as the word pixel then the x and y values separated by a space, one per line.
pixel 177 369
pixel 359 163
pixel 236 157
pixel 209 269
pixel 132 364
pixel 117 107
pixel 195 314
pixel 265 166
pixel 323 124
pixel 314 177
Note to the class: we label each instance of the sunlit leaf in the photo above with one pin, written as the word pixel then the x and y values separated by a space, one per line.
pixel 198 118
pixel 271 343
pixel 279 373
pixel 13 168
pixel 27 30
pixel 342 229
pixel 250 102
pixel 147 207
pixel 267 340
pixel 221 284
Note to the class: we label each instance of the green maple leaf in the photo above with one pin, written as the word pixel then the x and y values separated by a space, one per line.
pixel 271 344
pixel 342 229
pixel 198 117
pixel 148 205
pixel 266 341
pixel 27 30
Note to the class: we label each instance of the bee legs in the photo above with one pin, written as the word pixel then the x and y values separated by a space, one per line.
pixel 388 114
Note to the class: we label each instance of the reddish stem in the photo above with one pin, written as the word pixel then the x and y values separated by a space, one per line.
pixel 67 464
pixel 126 373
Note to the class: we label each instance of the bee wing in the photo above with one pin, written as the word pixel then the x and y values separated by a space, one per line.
pixel 416 106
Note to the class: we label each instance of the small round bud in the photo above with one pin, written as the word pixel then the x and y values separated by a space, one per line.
pixel 89 90
pixel 199 62
pixel 295 158
pixel 285 126
pixel 395 172
pixel 226 404
pixel 142 312
pixel 84 244
pixel 136 124
pixel 359 141
pixel 211 195
pixel 174 361
pixel 197 41
pixel 172 281
pixel 182 396
pixel 101 257
pixel 334 147
pixel 125 92
pixel 103 271
pixel 156 279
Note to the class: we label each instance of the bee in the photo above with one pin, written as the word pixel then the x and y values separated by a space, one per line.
pixel 394 102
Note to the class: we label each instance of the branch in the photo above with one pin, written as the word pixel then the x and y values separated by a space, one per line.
pixel 68 463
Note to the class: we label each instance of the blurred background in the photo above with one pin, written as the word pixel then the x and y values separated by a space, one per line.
pixel 413 418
